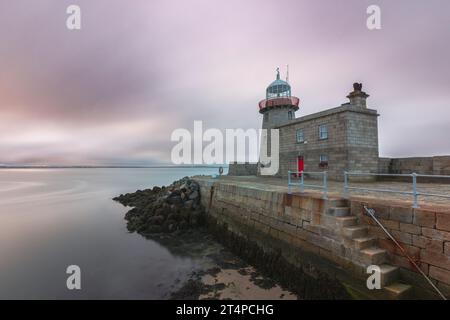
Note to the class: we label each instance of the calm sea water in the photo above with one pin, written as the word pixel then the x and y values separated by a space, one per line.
pixel 53 218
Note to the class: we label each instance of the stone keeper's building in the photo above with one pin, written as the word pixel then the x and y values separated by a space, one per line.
pixel 340 139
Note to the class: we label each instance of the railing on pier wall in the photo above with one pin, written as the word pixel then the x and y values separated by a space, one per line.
pixel 297 179
pixel 300 182
pixel 415 193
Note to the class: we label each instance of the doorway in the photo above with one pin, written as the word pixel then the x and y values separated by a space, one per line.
pixel 300 164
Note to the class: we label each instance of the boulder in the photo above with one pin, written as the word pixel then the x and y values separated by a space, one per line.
pixel 194 195
pixel 157 220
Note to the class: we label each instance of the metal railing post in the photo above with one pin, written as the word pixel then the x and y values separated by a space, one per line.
pixel 414 179
pixel 302 182
pixel 325 185
pixel 345 184
pixel 289 182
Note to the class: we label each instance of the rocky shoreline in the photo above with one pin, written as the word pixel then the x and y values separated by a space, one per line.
pixel 169 209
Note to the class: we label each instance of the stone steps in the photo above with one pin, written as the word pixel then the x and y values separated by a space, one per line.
pixel 357 240
pixel 346 221
pixel 398 290
pixel 373 255
pixel 369 252
pixel 364 242
pixel 389 274
pixel 353 232
pixel 338 202
pixel 339 211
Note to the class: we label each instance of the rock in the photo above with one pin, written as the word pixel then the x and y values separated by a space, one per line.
pixel 174 199
pixel 154 229
pixel 158 220
pixel 189 204
pixel 166 209
pixel 194 195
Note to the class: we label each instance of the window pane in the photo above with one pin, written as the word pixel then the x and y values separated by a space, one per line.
pixel 323 131
pixel 300 135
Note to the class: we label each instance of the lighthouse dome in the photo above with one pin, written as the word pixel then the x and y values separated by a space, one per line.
pixel 278 88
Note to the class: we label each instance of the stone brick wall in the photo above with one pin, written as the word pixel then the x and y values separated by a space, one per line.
pixel 303 222
pixel 424 165
pixel 384 165
pixel 352 143
pixel 299 222
pixel 424 233
pixel 242 169
pixel 441 165
pixel 276 116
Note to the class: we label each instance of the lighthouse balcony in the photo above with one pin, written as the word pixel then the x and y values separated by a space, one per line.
pixel 279 102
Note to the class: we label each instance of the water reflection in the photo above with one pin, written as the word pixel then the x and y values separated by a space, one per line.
pixel 52 218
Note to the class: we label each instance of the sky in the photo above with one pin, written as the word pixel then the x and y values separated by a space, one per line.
pixel 114 91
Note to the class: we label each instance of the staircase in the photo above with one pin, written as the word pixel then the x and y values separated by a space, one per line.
pixel 363 248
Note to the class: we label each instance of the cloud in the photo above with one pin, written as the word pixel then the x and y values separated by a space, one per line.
pixel 115 90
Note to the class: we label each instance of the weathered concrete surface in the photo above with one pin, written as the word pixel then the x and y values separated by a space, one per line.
pixel 335 233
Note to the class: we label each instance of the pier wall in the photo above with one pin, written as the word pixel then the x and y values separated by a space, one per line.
pixel 301 227
pixel 242 169
pixel 437 165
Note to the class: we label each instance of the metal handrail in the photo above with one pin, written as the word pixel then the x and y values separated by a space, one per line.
pixel 414 192
pixel 302 185
pixel 371 212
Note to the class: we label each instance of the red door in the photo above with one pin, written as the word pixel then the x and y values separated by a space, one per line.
pixel 300 164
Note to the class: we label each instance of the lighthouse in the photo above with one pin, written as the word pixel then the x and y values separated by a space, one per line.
pixel 279 106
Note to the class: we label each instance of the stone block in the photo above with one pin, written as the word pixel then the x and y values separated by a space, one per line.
pixel 377 232
pixel 381 212
pixel 440 274
pixel 356 208
pixel 403 237
pixel 288 211
pixel 296 201
pixel 401 261
pixel 306 203
pixel 435 259
pixel 319 241
pixel 428 243
pixel 410 228
pixel 436 234
pixel 424 218
pixel 391 224
pixel 401 214
pixel 392 248
pixel 443 221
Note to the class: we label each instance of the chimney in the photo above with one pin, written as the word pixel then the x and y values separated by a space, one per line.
pixel 357 96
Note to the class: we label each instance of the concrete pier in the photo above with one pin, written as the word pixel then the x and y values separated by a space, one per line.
pixel 335 235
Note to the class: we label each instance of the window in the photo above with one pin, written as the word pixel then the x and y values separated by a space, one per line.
pixel 290 115
pixel 323 161
pixel 300 136
pixel 323 131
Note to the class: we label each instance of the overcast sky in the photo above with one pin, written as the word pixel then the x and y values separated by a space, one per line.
pixel 113 92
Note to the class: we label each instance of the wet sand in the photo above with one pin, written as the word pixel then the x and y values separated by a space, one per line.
pixel 220 274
